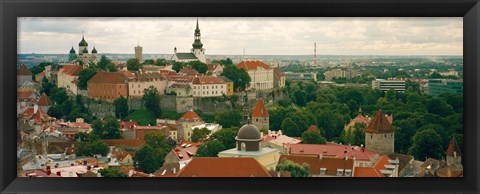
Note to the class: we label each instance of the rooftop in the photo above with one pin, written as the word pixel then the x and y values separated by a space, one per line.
pixel 260 110
pixel 252 65
pixel 223 167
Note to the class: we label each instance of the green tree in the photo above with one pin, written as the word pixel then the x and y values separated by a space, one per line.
pixel 150 157
pixel 152 101
pixel 107 129
pixel 313 137
pixel 121 107
pixel 199 134
pixel 231 118
pixel 239 76
pixel 199 66
pixel 291 128
pixel 295 169
pixel 109 172
pixel 435 75
pixel 177 66
pixel 83 77
pixel 90 145
pixel 133 64
pixel 210 148
pixel 46 86
pixel 161 62
pixel 300 98
pixel 359 134
pixel 226 136
pixel 104 61
pixel 426 143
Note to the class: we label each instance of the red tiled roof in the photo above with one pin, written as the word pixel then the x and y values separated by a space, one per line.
pixel 189 116
pixel 379 124
pixel 331 151
pixel 148 77
pixel 186 153
pixel 252 65
pixel 453 147
pixel 374 171
pixel 127 73
pixel 315 163
pixel 260 110
pixel 128 125
pixel 23 70
pixel 223 167
pixel 207 80
pixel 133 143
pixel 24 95
pixel 44 100
pixel 188 71
pixel 110 77
pixel 39 117
pixel 72 70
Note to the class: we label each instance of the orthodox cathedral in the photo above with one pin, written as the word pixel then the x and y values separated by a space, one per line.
pixel 83 54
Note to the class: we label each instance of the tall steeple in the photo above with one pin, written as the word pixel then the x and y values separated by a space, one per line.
pixel 197 44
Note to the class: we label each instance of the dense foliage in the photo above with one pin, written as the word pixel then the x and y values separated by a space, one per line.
pixel 151 156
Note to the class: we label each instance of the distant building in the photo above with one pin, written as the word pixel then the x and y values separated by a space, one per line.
pixel 223 167
pixel 108 86
pixel 385 85
pixel 230 87
pixel 338 73
pixel 197 53
pixel 323 166
pixel 441 86
pixel 249 145
pixel 142 81
pixel 278 78
pixel 23 74
pixel 301 76
pixel 83 54
pixel 138 53
pixel 261 74
pixel 187 121
pixel 379 135
pixel 44 102
pixel 180 89
pixel 208 86
pixel 67 77
pixel 260 117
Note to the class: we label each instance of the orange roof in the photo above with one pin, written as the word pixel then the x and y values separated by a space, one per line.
pixel 379 124
pixel 23 70
pixel 260 110
pixel 72 70
pixel 223 167
pixel 44 100
pixel 252 65
pixel 189 116
pixel 207 80
pixel 127 73
pixel 374 171
pixel 188 71
pixel 453 147
pixel 110 77
pixel 315 163
pixel 133 143
pixel 39 117
pixel 24 95
pixel 331 151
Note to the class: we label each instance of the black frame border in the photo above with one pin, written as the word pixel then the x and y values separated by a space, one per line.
pixel 10 10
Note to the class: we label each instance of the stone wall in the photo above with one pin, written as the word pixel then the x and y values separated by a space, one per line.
pixel 168 102
pixel 382 143
pixel 183 104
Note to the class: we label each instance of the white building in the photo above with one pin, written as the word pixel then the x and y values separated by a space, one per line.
pixel 197 53
pixel 208 86
pixel 261 74
pixel 68 77
pixel 142 81
pixel 385 85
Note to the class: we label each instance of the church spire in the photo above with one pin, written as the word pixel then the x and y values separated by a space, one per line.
pixel 197 44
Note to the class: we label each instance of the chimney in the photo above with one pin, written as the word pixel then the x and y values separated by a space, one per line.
pixel 174 170
pixel 321 156
pixel 454 154
pixel 59 173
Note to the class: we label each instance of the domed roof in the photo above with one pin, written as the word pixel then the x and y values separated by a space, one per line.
pixel 85 50
pixel 72 50
pixel 94 50
pixel 248 131
pixel 83 42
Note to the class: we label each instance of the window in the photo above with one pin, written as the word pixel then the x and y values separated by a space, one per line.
pixel 348 172
pixel 138 85
pixel 243 147
pixel 339 172
pixel 323 171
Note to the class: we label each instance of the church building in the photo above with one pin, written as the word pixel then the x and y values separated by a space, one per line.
pixel 83 54
pixel 197 53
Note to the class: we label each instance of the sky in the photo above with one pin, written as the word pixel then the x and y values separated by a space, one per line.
pixel 258 36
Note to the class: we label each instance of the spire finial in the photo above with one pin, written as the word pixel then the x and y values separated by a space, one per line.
pixel 197 23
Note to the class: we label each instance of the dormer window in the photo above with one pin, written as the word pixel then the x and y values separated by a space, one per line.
pixel 348 172
pixel 323 171
pixel 340 172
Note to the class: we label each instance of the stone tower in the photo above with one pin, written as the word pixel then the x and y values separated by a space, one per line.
pixel 379 135
pixel 197 46
pixel 138 53
pixel 454 155
pixel 260 116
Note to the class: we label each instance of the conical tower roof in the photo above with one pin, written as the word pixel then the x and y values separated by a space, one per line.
pixel 260 110
pixel 379 124
pixel 72 50
pixel 94 50
pixel 453 147
pixel 83 42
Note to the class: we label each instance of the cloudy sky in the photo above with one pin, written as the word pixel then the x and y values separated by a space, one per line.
pixel 258 36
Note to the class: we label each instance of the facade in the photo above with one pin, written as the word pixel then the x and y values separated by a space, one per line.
pixel 301 76
pixel 197 53
pixel 25 100
pixel 23 74
pixel 229 82
pixel 323 166
pixel 249 145
pixel 67 77
pixel 279 78
pixel 138 53
pixel 108 86
pixel 180 89
pixel 186 122
pixel 142 81
pixel 441 86
pixel 385 85
pixel 261 74
pixel 379 135
pixel 338 73
pixel 260 116
pixel 208 86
